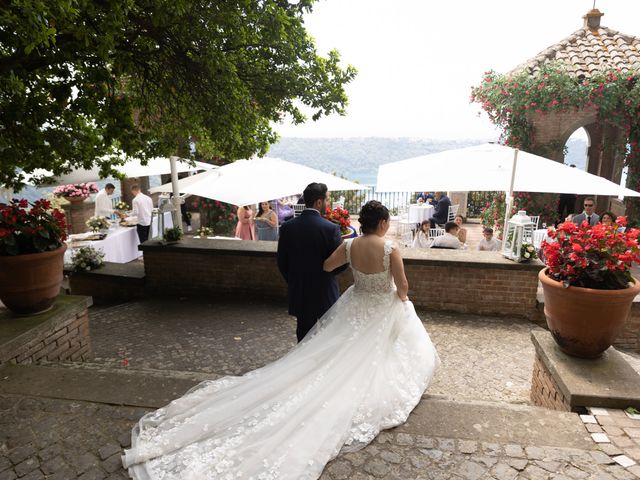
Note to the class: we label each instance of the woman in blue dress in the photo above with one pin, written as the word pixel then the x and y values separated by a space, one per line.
pixel 266 222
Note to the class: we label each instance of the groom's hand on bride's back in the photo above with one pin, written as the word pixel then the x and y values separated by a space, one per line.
pixel 337 261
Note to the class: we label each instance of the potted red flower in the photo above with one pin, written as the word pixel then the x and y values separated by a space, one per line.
pixel 31 255
pixel 588 287
pixel 340 216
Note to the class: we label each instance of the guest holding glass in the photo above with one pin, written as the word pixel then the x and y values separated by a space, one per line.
pixel 244 228
pixel 266 222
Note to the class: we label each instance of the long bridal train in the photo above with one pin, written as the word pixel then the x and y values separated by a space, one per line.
pixel 363 368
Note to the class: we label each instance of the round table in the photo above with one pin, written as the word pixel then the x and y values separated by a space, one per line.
pixel 418 213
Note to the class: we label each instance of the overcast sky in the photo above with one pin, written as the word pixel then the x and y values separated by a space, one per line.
pixel 417 59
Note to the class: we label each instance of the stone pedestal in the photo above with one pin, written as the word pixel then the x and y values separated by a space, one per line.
pixel 60 334
pixel 77 215
pixel 562 382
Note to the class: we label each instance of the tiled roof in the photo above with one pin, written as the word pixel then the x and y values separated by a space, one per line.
pixel 591 49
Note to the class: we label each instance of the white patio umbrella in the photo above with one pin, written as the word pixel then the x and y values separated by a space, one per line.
pixel 246 182
pixel 492 167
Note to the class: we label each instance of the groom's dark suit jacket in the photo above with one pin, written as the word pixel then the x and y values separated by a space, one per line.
pixel 305 243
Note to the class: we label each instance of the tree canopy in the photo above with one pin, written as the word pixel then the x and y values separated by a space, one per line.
pixel 81 80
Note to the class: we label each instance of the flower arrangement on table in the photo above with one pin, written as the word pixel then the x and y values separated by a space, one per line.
pixel 86 258
pixel 30 227
pixel 122 206
pixel 598 257
pixel 528 252
pixel 204 232
pixel 339 216
pixel 76 190
pixel 98 223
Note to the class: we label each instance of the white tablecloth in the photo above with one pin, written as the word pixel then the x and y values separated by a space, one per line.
pixel 418 213
pixel 119 246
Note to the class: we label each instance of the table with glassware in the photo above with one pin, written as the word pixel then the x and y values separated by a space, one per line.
pixel 420 212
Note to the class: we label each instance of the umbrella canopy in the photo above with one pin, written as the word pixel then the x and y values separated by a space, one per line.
pixel 246 182
pixel 489 167
pixel 133 168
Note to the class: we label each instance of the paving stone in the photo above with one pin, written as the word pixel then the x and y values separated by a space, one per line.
pixel 514 450
pixel 5 463
pixel 8 475
pixel 404 439
pixel 471 470
pixel 446 444
pixel 432 453
pixel 610 449
pixel 19 454
pixel 384 437
pixel 112 463
pixel 340 470
pixel 503 471
pixel 467 446
pixel 390 457
pixel 50 451
pixel 27 466
pixel 601 458
pixel 94 473
pixel 491 448
pixel 574 472
pixel 54 465
pixel 518 463
pixel 612 430
pixel 107 450
pixel 423 441
pixel 33 475
pixel 632 432
pixel 377 468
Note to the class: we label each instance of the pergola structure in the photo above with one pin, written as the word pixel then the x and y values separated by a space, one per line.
pixel 586 56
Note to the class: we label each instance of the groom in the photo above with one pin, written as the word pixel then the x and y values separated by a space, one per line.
pixel 305 243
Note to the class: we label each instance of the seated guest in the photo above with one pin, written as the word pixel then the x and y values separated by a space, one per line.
pixel 449 239
pixel 421 239
pixel 462 232
pixel 609 219
pixel 440 210
pixel 488 243
pixel 421 197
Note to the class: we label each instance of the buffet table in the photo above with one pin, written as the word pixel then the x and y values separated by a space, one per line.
pixel 119 246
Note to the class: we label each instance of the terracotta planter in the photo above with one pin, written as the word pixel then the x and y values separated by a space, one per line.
pixel 75 200
pixel 584 321
pixel 29 284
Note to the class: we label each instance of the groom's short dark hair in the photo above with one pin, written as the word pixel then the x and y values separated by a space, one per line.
pixel 313 192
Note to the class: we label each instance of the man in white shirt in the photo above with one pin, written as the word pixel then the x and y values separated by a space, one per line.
pixel 449 239
pixel 141 206
pixel 488 243
pixel 104 207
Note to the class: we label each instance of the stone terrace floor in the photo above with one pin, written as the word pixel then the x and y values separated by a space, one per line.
pixel 474 423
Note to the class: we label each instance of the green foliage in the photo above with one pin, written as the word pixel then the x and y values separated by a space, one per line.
pixel 86 258
pixel 81 79
pixel 510 102
pixel 544 205
pixel 220 217
pixel 172 234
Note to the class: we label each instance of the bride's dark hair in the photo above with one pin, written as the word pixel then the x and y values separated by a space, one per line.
pixel 370 215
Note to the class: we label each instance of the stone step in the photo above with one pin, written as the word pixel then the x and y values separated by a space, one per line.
pixel 434 416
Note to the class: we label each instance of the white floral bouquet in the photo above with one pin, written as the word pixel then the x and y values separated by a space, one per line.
pixel 528 252
pixel 122 206
pixel 87 258
pixel 204 232
pixel 98 223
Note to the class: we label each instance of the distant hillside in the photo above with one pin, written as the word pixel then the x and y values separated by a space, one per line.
pixel 358 158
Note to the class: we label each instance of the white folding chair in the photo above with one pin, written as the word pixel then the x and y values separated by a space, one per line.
pixel 538 236
pixel 436 232
pixel 406 239
pixel 453 211
pixel 535 219
pixel 297 209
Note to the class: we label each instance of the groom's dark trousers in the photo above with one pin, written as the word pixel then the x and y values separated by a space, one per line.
pixel 304 244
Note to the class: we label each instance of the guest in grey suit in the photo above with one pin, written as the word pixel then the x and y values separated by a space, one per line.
pixel 588 214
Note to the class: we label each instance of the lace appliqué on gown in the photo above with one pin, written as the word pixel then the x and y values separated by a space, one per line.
pixel 361 369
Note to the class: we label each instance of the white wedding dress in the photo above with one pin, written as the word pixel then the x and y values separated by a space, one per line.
pixel 361 369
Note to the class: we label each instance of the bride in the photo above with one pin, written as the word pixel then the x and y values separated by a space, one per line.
pixel 361 369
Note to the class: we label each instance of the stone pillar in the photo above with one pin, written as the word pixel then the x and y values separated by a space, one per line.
pixel 127 183
pixel 460 198
pixel 77 215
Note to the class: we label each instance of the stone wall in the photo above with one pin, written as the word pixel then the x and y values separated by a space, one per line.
pixel 77 214
pixel 57 335
pixel 544 390
pixel 460 281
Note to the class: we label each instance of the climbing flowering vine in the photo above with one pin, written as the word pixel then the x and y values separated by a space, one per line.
pixel 511 102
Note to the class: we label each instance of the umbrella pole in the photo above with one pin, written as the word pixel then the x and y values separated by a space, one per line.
pixel 509 198
pixel 176 199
